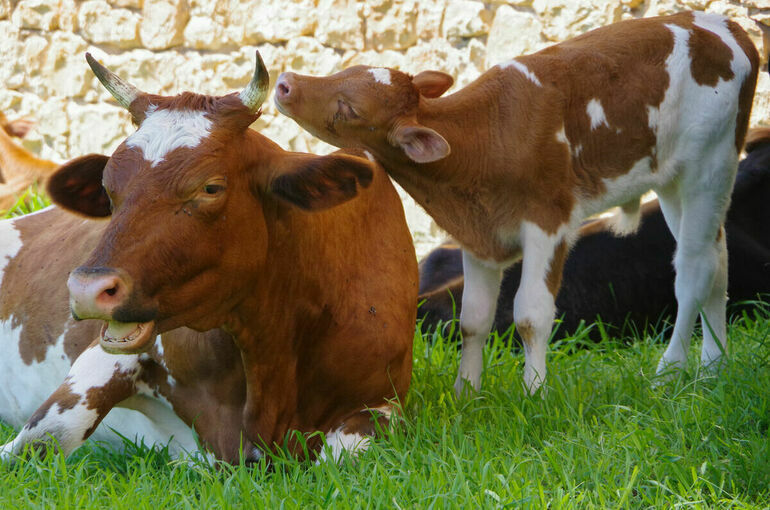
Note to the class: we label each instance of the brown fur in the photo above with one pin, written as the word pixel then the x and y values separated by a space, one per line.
pixel 19 168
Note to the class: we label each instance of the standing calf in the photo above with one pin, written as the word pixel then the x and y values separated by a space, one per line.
pixel 512 164
pixel 626 281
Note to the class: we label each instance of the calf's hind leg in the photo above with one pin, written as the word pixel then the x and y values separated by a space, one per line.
pixel 701 276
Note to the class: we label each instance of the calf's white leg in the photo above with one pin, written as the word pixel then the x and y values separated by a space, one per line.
pixel 534 304
pixel 482 286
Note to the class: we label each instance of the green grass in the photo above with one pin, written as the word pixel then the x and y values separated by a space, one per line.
pixel 29 201
pixel 602 437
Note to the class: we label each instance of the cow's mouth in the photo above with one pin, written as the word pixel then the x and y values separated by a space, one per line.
pixel 127 337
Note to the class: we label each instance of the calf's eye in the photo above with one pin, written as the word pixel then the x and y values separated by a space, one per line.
pixel 346 111
pixel 213 189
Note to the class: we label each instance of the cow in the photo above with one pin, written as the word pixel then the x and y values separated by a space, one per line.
pixel 511 164
pixel 296 326
pixel 627 282
pixel 19 168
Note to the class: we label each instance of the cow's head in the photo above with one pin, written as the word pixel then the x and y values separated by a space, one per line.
pixel 186 195
pixel 368 107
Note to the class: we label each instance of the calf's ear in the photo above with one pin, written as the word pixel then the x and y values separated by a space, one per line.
pixel 314 183
pixel 432 83
pixel 18 128
pixel 421 144
pixel 77 186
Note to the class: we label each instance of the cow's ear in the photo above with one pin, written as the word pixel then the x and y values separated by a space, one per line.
pixel 315 183
pixel 421 144
pixel 432 83
pixel 77 186
pixel 18 128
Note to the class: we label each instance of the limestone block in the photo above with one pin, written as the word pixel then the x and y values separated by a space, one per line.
pixel 439 55
pixel 728 9
pixel 100 24
pixel 65 70
pixel 632 4
pixel 97 128
pixel 5 9
pixel 203 32
pixel 250 22
pixel 154 73
pixel 129 4
pixel 68 15
pixel 163 23
pixel 387 58
pixel 465 18
pixel 11 65
pixel 477 54
pixel 308 56
pixel 37 14
pixel 563 19
pixel 34 56
pixel 760 111
pixel 429 16
pixel 391 24
pixel 513 33
pixel 341 24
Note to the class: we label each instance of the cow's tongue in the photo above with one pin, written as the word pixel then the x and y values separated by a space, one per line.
pixel 126 337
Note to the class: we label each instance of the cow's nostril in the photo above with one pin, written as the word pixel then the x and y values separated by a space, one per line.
pixel 112 291
pixel 283 89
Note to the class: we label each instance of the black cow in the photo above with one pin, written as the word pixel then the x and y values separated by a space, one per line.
pixel 627 283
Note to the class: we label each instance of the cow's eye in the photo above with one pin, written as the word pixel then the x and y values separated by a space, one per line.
pixel 213 189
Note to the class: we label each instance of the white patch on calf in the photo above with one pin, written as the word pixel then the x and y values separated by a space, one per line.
pixel 381 75
pixel 163 131
pixel 522 69
pixel 596 114
pixel 10 244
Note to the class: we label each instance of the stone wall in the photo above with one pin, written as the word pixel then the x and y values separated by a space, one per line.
pixel 207 46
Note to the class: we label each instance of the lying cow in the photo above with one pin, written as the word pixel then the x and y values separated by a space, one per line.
pixel 626 282
pixel 19 168
pixel 512 164
pixel 211 226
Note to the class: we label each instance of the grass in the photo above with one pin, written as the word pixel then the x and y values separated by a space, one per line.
pixel 601 437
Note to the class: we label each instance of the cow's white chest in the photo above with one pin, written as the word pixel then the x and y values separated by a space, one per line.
pixel 163 131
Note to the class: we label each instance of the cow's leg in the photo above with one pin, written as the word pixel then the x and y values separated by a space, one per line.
pixel 714 314
pixel 96 382
pixel 534 304
pixel 701 271
pixel 355 433
pixel 482 286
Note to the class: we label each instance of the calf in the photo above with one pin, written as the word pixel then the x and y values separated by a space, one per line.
pixel 626 281
pixel 19 168
pixel 213 225
pixel 512 164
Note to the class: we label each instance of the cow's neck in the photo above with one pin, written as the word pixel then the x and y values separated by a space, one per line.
pixel 469 122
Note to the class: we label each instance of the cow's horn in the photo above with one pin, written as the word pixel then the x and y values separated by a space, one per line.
pixel 125 93
pixel 256 92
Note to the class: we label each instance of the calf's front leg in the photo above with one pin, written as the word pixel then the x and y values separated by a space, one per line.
pixel 534 304
pixel 482 286
pixel 96 382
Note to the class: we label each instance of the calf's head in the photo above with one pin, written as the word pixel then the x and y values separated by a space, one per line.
pixel 367 107
pixel 186 195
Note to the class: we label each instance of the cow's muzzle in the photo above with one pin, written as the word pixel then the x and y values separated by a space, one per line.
pixel 104 293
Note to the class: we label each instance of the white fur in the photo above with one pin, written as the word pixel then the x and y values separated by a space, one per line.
pixel 561 136
pixel 596 114
pixel 381 75
pixel 163 131
pixel 523 70
pixel 479 300
pixel 338 442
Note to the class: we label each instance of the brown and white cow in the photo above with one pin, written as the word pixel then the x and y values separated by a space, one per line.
pixel 212 225
pixel 511 164
pixel 19 168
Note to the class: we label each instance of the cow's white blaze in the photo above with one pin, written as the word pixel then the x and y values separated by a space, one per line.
pixel 381 75
pixel 163 131
pixel 596 114
pixel 523 70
